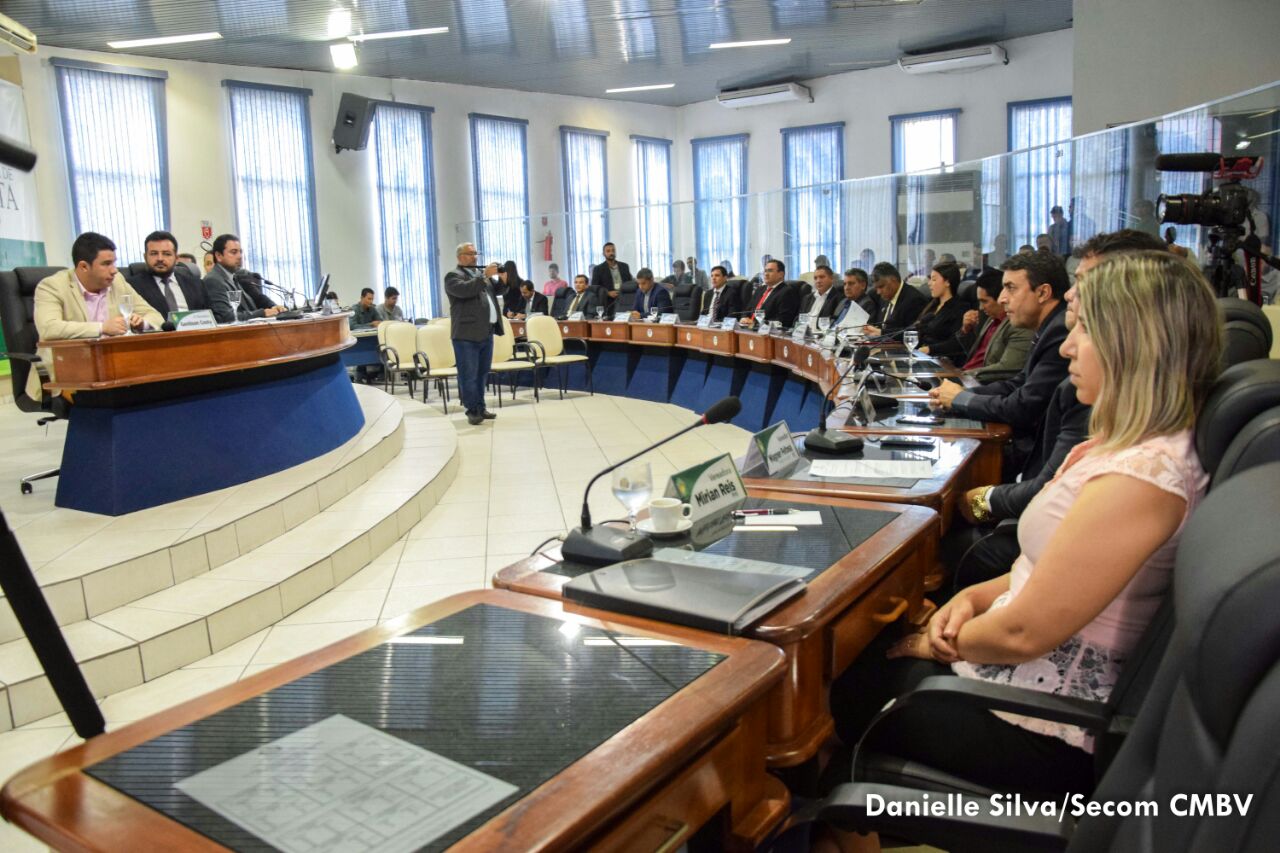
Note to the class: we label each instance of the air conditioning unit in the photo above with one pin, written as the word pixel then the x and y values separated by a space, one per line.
pixel 16 36
pixel 737 98
pixel 954 60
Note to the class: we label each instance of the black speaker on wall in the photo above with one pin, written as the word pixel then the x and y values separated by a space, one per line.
pixel 351 130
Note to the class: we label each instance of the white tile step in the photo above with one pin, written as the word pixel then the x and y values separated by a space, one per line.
pixel 156 633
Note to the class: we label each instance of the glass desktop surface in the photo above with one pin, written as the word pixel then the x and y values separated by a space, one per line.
pixel 516 698
pixel 815 548
pixel 887 418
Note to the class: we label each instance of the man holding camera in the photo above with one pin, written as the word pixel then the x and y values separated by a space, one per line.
pixel 474 319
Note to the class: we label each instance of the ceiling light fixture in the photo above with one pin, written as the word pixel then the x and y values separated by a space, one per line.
pixel 339 23
pixel 640 88
pixel 398 34
pixel 122 45
pixel 344 55
pixel 757 43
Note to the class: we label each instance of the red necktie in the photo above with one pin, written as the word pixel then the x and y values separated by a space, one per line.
pixel 763 297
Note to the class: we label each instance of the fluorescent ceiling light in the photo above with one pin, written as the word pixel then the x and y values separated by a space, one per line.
pixel 344 55
pixel 640 88
pixel 757 43
pixel 398 34
pixel 339 23
pixel 121 45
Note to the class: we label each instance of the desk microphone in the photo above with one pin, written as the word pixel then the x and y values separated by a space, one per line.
pixel 919 383
pixel 604 545
pixel 836 441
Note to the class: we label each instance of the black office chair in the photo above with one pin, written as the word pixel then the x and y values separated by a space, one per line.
pixel 559 300
pixel 1246 331
pixel 135 268
pixel 685 301
pixel 1205 729
pixel 1238 424
pixel 17 319
pixel 626 296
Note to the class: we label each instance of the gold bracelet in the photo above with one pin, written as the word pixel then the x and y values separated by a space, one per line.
pixel 979 506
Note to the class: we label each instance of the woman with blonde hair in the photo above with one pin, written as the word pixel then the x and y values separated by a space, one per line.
pixel 1097 546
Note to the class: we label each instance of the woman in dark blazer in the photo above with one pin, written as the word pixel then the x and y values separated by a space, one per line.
pixel 509 286
pixel 944 313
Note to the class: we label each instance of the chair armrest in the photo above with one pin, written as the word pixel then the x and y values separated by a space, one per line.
pixel 583 341
pixel 42 368
pixel 534 349
pixel 956 822
pixel 421 363
pixel 394 360
pixel 990 696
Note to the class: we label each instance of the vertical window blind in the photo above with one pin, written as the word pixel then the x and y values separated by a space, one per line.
pixel 404 181
pixel 720 204
pixel 653 199
pixel 1040 168
pixel 119 181
pixel 275 189
pixel 1099 184
pixel 586 194
pixel 812 168
pixel 636 32
pixel 500 175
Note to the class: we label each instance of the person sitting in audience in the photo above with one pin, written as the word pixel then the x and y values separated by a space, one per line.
pixel 364 314
pixel 819 261
pixel 758 278
pixel 1044 243
pixel 930 261
pixel 208 262
pixel 777 298
pixel 166 284
pixel 649 299
pixel 534 302
pixel 1034 287
pixel 83 302
pixel 510 288
pixel 699 276
pixel 822 301
pixel 553 284
pixel 678 274
pixel 987 347
pixel 610 275
pixel 1143 353
pixel 728 268
pixel 186 258
pixel 1025 249
pixel 942 316
pixel 719 302
pixel 389 310
pixel 899 305
pixel 223 280
pixel 583 300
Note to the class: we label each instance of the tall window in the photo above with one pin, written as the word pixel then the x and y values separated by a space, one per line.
pixel 1040 168
pixel 275 186
pixel 405 182
pixel 924 140
pixel 720 204
pixel 500 174
pixel 586 193
pixel 653 200
pixel 812 168
pixel 119 181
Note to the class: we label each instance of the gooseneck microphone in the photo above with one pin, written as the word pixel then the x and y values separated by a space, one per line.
pixel 836 441
pixel 605 545
pixel 919 383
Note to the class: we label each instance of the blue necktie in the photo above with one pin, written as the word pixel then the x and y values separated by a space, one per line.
pixel 843 311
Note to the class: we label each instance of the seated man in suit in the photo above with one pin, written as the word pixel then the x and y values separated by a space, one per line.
pixel 720 301
pixel 857 307
pixel 993 349
pixel 823 300
pixel 650 298
pixel 222 281
pixel 678 274
pixel 778 299
pixel 583 300
pixel 166 284
pixel 900 305
pixel 534 302
pixel 84 302
pixel 389 310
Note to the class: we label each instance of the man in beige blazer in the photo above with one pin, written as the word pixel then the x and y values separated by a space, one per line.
pixel 83 302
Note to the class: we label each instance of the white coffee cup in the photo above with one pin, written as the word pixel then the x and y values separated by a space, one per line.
pixel 666 514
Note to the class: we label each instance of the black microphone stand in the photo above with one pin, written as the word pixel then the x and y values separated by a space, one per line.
pixel 836 441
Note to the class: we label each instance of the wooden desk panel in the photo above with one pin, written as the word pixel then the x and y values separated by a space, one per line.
pixel 696 755
pixel 753 347
pixel 608 330
pixel 651 334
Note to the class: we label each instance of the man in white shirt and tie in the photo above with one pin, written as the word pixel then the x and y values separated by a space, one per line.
pixel 165 284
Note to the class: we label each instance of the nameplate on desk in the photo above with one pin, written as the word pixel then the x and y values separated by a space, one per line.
pixel 711 488
pixel 622 316
pixel 668 319
pixel 774 447
pixel 183 320
pixel 575 317
pixel 728 324
pixel 798 330
pixel 704 322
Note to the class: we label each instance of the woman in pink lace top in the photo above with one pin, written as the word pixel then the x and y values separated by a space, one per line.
pixel 1097 544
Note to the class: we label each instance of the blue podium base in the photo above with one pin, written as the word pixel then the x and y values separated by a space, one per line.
pixel 123 459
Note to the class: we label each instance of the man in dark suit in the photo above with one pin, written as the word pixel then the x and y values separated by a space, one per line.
pixel 778 299
pixel 582 299
pixel 823 300
pixel 534 302
pixel 649 297
pixel 721 300
pixel 166 284
pixel 900 304
pixel 227 277
pixel 473 321
pixel 610 275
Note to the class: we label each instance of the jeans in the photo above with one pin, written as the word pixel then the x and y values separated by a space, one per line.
pixel 473 361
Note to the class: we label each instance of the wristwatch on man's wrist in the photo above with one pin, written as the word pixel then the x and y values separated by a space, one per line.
pixel 980 504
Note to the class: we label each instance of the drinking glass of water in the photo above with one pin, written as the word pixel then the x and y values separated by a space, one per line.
pixel 599 313
pixel 759 316
pixel 911 340
pixel 632 485
pixel 824 323
pixel 233 296
pixel 124 304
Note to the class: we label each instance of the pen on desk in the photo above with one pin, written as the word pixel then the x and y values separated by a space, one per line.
pixel 746 512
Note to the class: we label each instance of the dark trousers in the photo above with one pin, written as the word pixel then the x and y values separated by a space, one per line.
pixel 473 361
pixel 974 555
pixel 946 734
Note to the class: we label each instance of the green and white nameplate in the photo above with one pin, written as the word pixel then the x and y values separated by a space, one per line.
pixel 704 322
pixel 668 319
pixel 775 447
pixel 728 324
pixel 202 319
pixel 575 316
pixel 711 488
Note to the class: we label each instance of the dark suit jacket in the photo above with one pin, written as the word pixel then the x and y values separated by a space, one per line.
pixel 834 298
pixel 468 291
pixel 602 277
pixel 219 282
pixel 782 305
pixel 192 290
pixel 1066 424
pixel 588 304
pixel 942 325
pixel 727 305
pixel 1021 401
pixel 535 304
pixel 908 307
pixel 659 300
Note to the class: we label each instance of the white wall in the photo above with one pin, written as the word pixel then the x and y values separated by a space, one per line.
pixel 1139 59
pixel 200 157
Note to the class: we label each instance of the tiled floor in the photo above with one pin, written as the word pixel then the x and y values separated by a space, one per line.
pixel 520 482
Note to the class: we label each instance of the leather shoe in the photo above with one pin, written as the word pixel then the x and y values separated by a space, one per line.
pixel 488 415
pixel 475 420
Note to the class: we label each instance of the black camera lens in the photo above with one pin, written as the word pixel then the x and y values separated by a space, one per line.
pixel 1178 209
pixel 1228 206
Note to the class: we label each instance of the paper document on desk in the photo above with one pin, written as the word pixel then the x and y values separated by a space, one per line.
pixel 872 469
pixel 799 518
